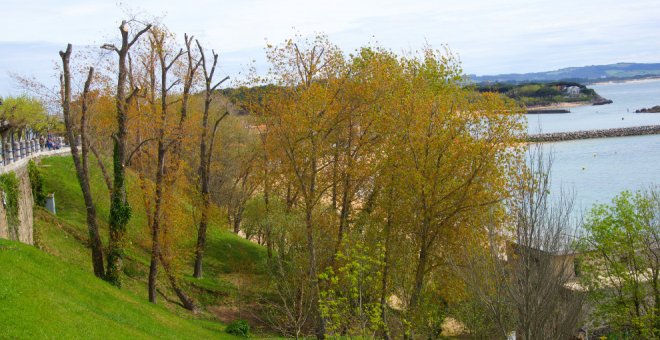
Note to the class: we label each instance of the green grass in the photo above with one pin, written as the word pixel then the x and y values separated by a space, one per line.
pixel 56 294
pixel 44 297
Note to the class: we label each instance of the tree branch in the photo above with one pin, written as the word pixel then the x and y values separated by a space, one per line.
pixel 137 148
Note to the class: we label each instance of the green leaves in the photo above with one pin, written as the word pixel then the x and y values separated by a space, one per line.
pixel 620 262
pixel 24 111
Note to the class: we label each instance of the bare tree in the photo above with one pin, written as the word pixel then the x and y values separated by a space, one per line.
pixel 80 157
pixel 205 155
pixel 168 146
pixel 120 211
pixel 524 284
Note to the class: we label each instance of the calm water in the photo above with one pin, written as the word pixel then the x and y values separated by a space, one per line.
pixel 627 98
pixel 598 169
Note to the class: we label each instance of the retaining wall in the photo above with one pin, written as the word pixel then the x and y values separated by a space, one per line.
pixel 24 231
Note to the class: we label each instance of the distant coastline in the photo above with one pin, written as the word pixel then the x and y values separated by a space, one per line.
pixel 623 81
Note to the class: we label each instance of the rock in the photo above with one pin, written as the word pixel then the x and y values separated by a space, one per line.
pixel 655 109
pixel 602 101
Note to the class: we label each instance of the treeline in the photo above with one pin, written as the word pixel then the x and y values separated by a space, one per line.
pixel 387 194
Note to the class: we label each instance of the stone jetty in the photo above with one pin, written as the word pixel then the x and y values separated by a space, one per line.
pixel 604 133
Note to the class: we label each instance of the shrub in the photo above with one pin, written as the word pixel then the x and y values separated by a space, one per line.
pixel 9 186
pixel 37 182
pixel 238 328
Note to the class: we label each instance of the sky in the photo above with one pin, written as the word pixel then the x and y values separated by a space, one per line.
pixel 490 36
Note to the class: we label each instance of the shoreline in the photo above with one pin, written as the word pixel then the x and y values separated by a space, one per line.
pixel 563 105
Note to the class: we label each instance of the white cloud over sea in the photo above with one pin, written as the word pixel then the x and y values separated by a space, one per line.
pixel 490 36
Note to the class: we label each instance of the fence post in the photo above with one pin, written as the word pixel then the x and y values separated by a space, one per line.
pixel 16 148
pixel 7 153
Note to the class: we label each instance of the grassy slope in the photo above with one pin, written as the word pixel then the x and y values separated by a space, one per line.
pixel 64 237
pixel 42 296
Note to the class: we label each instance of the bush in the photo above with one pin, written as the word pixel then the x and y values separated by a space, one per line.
pixel 9 187
pixel 36 180
pixel 238 328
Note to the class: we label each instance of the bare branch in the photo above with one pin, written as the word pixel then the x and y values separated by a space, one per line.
pixel 220 82
pixel 138 34
pixel 137 148
pixel 110 47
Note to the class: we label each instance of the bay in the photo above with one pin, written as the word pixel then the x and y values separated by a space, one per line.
pixel 596 170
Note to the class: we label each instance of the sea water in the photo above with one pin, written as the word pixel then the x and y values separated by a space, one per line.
pixel 596 170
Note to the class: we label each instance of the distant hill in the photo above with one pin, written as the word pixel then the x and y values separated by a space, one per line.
pixel 584 74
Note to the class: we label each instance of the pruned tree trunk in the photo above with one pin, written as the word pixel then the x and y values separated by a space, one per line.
pixel 81 161
pixel 205 159
pixel 120 210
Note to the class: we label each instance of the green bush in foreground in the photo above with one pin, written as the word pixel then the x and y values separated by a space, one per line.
pixel 238 328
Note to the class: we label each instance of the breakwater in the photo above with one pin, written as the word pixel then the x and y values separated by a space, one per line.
pixel 546 111
pixel 604 133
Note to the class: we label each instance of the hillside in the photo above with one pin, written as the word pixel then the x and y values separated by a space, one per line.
pixel 42 297
pixel 52 291
pixel 584 74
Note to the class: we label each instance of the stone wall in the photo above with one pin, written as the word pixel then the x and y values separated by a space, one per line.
pixel 24 231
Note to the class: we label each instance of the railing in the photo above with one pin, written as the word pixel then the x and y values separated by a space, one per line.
pixel 18 153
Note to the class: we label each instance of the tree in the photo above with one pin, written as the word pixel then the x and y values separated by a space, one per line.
pixel 524 280
pixel 300 116
pixel 26 115
pixel 120 210
pixel 169 137
pixel 453 148
pixel 620 263
pixel 81 159
pixel 205 153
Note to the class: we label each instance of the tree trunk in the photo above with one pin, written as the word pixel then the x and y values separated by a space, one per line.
pixel 120 210
pixel 81 165
pixel 201 238
pixel 186 301
pixel 155 227
pixel 420 272
pixel 205 158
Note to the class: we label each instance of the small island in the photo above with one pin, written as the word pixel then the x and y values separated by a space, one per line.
pixel 542 98
pixel 655 109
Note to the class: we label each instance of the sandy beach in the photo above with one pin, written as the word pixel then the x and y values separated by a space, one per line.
pixel 559 106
